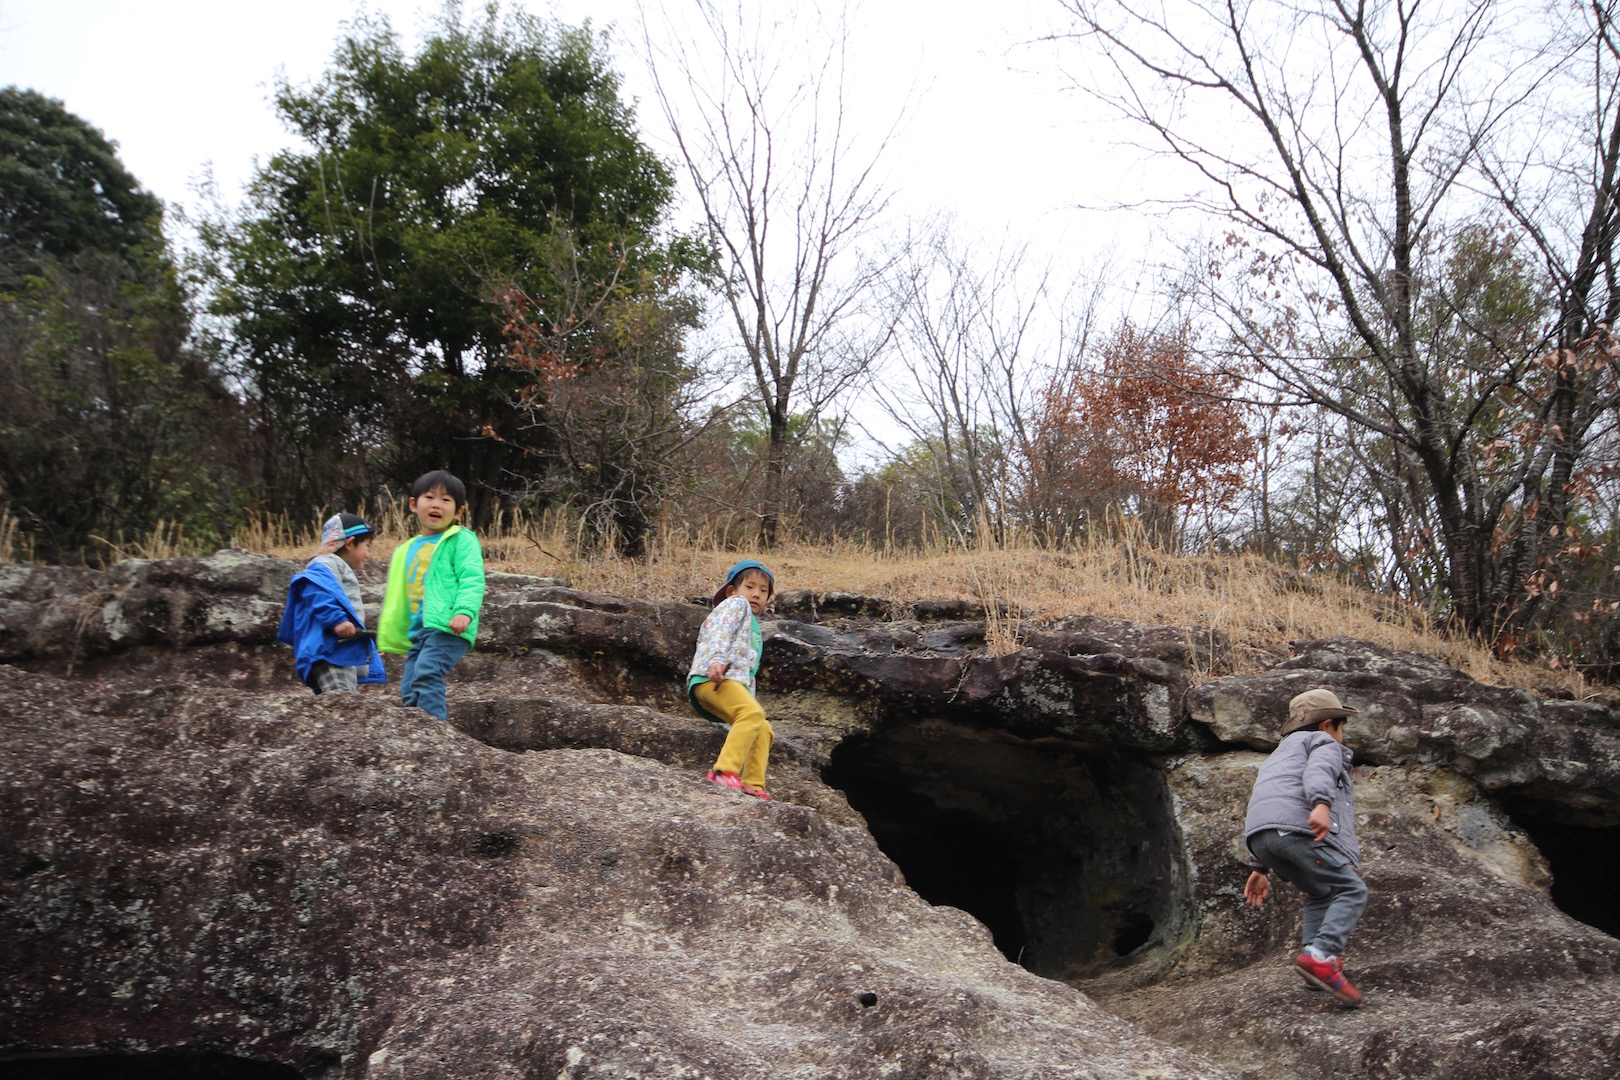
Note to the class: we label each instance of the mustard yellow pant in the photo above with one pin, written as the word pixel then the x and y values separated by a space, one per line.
pixel 748 746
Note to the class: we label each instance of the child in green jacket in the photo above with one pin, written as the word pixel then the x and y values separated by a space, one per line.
pixel 435 590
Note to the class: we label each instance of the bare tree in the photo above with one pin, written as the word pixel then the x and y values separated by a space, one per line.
pixel 1555 175
pixel 610 387
pixel 969 345
pixel 757 104
pixel 1340 143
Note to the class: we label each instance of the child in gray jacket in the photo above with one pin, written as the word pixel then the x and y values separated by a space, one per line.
pixel 1302 824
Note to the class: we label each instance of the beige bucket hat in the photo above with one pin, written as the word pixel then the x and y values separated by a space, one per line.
pixel 1311 708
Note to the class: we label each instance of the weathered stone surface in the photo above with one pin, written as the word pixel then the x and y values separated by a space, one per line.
pixel 814 607
pixel 561 894
pixel 1085 679
pixel 1415 710
pixel 67 614
pixel 684 741
pixel 70 614
pixel 354 889
pixel 1468 969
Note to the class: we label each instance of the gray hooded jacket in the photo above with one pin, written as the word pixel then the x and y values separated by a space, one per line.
pixel 1308 767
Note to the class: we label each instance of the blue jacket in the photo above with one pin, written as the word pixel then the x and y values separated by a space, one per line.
pixel 1308 767
pixel 315 604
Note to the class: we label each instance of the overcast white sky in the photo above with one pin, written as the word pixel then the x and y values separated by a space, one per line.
pixel 991 136
pixel 183 85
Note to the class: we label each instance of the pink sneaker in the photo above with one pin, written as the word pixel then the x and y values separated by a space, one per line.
pixel 1327 975
pixel 756 792
pixel 725 780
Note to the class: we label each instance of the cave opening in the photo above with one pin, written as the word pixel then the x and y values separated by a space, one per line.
pixel 1585 874
pixel 1071 858
pixel 154 1066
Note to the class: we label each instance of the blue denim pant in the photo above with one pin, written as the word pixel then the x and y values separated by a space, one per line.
pixel 433 653
pixel 1335 895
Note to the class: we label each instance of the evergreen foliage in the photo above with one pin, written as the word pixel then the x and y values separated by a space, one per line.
pixel 111 426
pixel 361 281
pixel 63 190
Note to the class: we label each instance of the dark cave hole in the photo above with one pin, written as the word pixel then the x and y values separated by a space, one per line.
pixel 1585 864
pixel 162 1066
pixel 1071 859
pixel 949 856
pixel 1134 931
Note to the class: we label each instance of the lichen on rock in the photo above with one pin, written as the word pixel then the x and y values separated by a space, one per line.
pixel 973 866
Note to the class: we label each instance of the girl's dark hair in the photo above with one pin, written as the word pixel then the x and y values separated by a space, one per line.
pixel 439 478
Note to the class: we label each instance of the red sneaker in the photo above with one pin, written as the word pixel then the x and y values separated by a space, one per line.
pixel 725 780
pixel 1327 975
pixel 756 792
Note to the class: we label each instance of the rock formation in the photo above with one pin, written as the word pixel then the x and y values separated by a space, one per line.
pixel 974 866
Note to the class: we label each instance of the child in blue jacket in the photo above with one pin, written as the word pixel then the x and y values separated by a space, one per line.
pixel 325 620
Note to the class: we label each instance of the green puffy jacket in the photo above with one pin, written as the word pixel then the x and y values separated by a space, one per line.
pixel 454 586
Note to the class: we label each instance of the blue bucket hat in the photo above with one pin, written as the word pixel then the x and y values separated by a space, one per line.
pixel 738 569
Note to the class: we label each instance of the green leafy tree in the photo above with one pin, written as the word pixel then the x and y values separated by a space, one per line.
pixel 925 474
pixel 888 508
pixel 110 425
pixel 730 480
pixel 63 190
pixel 360 280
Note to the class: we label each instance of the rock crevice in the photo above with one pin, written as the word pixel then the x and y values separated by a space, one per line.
pixel 202 858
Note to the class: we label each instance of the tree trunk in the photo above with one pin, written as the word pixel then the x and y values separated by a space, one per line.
pixel 775 475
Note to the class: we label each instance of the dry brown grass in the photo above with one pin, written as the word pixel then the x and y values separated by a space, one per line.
pixel 13 542
pixel 1261 607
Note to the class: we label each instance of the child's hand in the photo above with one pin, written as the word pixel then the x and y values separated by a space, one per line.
pixel 459 623
pixel 1321 821
pixel 1256 889
pixel 717 672
pixel 344 629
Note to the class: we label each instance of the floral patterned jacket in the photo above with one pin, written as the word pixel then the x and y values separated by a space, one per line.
pixel 732 636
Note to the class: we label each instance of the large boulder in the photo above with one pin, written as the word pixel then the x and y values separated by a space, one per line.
pixel 1468 968
pixel 1414 710
pixel 204 858
pixel 355 889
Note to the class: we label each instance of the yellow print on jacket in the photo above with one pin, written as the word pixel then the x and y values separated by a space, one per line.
pixel 416 568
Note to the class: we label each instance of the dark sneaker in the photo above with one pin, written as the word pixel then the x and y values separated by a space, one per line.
pixel 725 780
pixel 1327 975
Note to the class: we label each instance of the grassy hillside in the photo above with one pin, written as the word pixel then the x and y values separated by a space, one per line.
pixel 1260 606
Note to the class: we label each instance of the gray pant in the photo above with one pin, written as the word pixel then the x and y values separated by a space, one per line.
pixel 1335 895
pixel 327 678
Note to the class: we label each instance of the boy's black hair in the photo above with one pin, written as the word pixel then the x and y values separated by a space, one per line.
pixel 439 478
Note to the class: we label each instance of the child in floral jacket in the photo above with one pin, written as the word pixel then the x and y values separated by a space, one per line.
pixel 720 684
